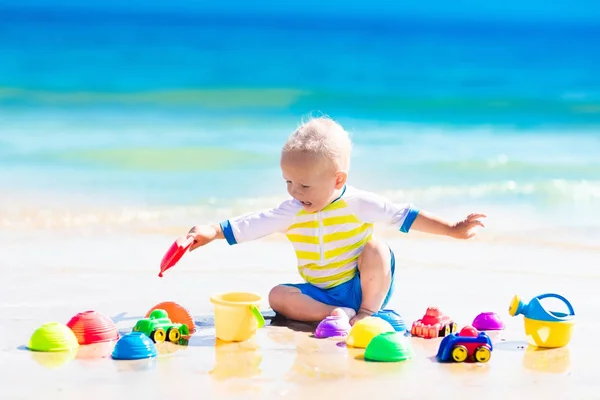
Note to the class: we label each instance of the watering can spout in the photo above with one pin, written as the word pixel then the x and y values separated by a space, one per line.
pixel 517 306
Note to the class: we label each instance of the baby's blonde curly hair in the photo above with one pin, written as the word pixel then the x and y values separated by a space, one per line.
pixel 324 137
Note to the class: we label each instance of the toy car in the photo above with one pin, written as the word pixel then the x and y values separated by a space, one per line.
pixel 159 327
pixel 468 344
pixel 433 324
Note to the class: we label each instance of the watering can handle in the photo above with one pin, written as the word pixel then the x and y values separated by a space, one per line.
pixel 558 296
pixel 259 317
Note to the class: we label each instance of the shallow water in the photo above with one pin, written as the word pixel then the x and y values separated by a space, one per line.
pixel 183 114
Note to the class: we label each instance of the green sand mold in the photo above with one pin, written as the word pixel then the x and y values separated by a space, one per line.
pixel 53 336
pixel 389 347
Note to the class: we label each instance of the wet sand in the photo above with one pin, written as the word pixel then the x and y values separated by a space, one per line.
pixel 49 278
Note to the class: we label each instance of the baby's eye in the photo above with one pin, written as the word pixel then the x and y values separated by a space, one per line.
pixel 288 182
pixel 305 187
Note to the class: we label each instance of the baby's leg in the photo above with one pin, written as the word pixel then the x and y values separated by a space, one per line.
pixel 293 304
pixel 375 277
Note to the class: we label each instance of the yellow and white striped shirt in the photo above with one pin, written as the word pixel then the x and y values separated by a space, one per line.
pixel 328 242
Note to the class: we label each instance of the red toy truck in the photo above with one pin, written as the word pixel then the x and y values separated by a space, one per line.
pixel 433 324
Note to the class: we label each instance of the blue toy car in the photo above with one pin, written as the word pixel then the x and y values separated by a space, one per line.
pixel 467 344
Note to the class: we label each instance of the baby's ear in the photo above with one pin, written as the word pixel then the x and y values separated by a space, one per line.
pixel 340 179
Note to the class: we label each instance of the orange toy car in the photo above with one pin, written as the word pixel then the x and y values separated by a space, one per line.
pixel 433 324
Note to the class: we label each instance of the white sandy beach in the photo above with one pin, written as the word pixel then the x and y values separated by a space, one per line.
pixel 52 277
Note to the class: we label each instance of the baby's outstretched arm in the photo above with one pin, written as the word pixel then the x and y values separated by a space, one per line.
pixel 374 208
pixel 429 223
pixel 247 227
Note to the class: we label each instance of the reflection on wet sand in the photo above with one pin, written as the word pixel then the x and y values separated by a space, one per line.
pixel 428 347
pixel 53 360
pixel 85 353
pixel 557 361
pixel 318 359
pixel 95 351
pixel 90 354
pixel 330 359
pixel 144 364
pixel 168 348
pixel 236 360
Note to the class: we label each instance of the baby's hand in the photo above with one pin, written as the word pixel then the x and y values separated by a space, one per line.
pixel 203 234
pixel 465 228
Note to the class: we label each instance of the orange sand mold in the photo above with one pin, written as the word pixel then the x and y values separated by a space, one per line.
pixel 177 313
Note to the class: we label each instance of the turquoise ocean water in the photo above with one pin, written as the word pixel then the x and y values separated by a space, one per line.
pixel 180 116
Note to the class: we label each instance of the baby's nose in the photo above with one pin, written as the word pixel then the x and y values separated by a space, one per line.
pixel 296 190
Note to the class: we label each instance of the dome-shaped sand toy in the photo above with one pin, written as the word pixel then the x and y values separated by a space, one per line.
pixel 159 327
pixel 393 318
pixel 92 327
pixel 545 328
pixel 488 321
pixel 53 336
pixel 468 344
pixel 134 346
pixel 333 326
pixel 365 330
pixel 389 347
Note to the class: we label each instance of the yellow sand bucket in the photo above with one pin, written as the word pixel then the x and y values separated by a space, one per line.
pixel 550 334
pixel 236 315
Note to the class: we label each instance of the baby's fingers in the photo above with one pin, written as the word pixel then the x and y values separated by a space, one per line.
pixel 472 217
pixel 476 223
pixel 194 245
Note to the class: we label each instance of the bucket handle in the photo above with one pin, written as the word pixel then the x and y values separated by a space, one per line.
pixel 256 313
pixel 558 296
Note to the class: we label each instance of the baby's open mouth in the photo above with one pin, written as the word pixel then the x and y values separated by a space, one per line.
pixel 306 203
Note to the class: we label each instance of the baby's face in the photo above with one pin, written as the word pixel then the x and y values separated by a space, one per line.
pixel 311 181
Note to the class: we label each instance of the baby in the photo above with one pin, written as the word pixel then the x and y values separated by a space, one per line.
pixel 346 270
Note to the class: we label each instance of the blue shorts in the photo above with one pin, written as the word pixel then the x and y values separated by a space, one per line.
pixel 348 294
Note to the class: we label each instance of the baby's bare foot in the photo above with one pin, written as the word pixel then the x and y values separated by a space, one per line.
pixel 343 312
pixel 360 315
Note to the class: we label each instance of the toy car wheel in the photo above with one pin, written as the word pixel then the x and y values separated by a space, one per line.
pixel 174 335
pixel 483 354
pixel 158 335
pixel 460 353
pixel 454 327
pixel 443 331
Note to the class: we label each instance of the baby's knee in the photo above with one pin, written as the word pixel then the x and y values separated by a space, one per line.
pixel 375 253
pixel 278 295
